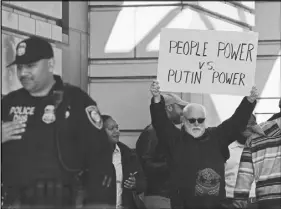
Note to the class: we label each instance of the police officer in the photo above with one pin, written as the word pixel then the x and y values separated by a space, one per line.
pixel 51 131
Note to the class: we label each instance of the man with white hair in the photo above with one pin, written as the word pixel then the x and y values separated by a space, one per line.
pixel 196 154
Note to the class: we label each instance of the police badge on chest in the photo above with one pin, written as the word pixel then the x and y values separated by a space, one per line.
pixel 49 114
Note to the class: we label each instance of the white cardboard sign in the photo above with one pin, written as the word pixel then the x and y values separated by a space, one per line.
pixel 207 61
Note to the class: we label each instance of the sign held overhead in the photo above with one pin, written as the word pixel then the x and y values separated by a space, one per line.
pixel 207 61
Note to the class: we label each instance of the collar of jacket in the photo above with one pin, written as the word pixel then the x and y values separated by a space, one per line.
pixel 116 149
pixel 58 86
pixel 126 152
pixel 184 133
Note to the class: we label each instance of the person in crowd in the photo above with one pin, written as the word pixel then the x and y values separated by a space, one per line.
pixel 128 181
pixel 276 115
pixel 261 162
pixel 50 130
pixel 153 161
pixel 232 164
pixel 196 154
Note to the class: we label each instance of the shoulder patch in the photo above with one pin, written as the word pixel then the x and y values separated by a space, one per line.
pixel 94 116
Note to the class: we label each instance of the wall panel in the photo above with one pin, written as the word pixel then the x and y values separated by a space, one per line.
pixel 52 9
pixel 112 33
pixel 126 100
pixel 123 68
pixel 268 20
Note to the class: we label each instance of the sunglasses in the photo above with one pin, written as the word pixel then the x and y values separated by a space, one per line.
pixel 193 120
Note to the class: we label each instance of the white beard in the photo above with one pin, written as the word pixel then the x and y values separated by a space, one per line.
pixel 195 132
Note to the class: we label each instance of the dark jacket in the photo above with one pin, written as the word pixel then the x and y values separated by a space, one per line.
pixel 56 149
pixel 130 164
pixel 197 165
pixel 153 162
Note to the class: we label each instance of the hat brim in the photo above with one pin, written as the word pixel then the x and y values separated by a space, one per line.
pixel 13 63
pixel 182 103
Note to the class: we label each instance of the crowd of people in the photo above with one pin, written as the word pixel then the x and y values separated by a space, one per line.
pixel 60 151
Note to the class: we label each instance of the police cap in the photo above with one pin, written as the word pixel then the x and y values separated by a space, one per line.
pixel 32 50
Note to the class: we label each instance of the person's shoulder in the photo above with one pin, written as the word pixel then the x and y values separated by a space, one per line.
pixel 13 94
pixel 267 124
pixel 77 93
pixel 211 129
pixel 125 149
pixel 74 89
pixel 121 145
pixel 212 133
pixel 271 128
pixel 149 128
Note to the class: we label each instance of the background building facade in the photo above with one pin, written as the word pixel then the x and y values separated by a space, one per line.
pixel 110 49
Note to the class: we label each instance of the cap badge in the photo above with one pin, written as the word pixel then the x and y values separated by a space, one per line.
pixel 21 49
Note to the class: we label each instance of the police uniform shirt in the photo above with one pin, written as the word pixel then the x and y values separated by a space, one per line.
pixel 34 156
pixel 82 141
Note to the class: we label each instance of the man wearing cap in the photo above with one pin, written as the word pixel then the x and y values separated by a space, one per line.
pixel 50 132
pixel 196 154
pixel 153 160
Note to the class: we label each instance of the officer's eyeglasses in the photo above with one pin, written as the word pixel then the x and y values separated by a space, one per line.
pixel 193 120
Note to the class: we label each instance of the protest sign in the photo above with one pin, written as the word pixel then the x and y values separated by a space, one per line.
pixel 207 61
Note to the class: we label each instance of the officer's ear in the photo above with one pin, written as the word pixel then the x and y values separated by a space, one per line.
pixel 51 65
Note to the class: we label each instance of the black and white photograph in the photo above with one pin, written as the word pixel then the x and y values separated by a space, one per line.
pixel 140 104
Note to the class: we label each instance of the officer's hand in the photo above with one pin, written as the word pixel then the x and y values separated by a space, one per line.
pixel 10 130
pixel 155 91
pixel 254 95
pixel 106 181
